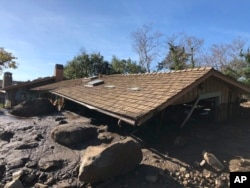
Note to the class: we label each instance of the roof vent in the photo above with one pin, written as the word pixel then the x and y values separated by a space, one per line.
pixel 134 89
pixel 109 86
pixel 94 83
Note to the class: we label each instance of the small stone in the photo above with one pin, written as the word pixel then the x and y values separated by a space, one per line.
pixel 187 175
pixel 183 169
pixel 220 183
pixel 185 182
pixel 206 173
pixel 203 162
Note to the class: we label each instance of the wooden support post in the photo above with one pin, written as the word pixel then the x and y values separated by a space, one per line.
pixel 190 113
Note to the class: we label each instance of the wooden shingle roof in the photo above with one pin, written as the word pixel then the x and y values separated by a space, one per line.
pixel 134 98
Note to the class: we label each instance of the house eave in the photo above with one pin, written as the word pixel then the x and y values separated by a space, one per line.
pixel 117 116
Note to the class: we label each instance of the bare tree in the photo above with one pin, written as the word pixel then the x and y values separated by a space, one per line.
pixel 192 46
pixel 146 43
pixel 223 56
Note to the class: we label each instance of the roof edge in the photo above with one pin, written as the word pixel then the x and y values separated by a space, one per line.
pixel 119 117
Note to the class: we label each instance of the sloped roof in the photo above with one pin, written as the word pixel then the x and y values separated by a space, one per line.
pixel 136 97
pixel 33 83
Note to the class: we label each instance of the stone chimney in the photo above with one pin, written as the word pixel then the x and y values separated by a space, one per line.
pixel 7 79
pixel 58 73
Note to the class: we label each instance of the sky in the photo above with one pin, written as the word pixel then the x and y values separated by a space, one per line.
pixel 42 33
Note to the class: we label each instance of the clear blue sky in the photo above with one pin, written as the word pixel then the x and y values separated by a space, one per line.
pixel 42 33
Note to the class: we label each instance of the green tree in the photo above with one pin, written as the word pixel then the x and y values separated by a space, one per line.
pixel 246 69
pixel 133 67
pixel 85 65
pixel 7 60
pixel 125 66
pixel 79 67
pixel 98 65
pixel 176 58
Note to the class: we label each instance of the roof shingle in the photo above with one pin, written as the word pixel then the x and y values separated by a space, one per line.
pixel 154 90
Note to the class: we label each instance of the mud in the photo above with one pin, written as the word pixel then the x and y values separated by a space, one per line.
pixel 26 143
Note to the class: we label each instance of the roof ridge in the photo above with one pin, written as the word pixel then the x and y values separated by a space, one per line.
pixel 171 71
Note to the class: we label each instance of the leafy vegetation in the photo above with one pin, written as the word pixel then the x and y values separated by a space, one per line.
pixel 7 60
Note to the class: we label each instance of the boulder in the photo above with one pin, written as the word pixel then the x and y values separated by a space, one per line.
pixel 99 163
pixel 213 161
pixel 72 134
pixel 34 107
pixel 239 165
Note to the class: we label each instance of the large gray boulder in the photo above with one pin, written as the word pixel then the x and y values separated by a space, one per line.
pixel 35 107
pixel 73 134
pixel 99 163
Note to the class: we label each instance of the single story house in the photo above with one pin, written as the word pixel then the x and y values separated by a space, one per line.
pixel 15 94
pixel 135 98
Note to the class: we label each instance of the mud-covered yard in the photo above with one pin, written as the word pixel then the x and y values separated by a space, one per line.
pixel 171 157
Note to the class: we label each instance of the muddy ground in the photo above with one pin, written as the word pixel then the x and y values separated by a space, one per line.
pixel 171 157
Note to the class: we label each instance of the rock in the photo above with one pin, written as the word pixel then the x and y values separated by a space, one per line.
pixel 206 173
pixel 99 163
pixel 6 135
pixel 34 107
pixel 29 178
pixel 72 134
pixel 202 163
pixel 213 161
pixel 183 169
pixel 17 175
pixel 220 183
pixel 1 185
pixel 187 175
pixel 14 184
pixel 105 137
pixel 45 165
pixel 17 163
pixel 40 185
pixel 239 165
pixel 27 146
pixel 185 183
